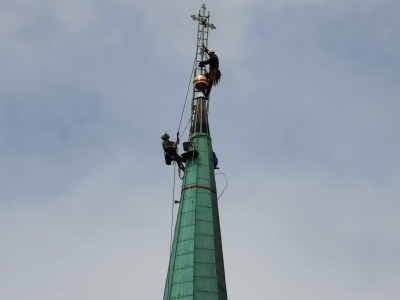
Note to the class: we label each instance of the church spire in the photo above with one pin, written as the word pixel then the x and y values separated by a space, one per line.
pixel 196 268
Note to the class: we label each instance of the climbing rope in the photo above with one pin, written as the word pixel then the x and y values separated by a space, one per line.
pixel 172 226
pixel 187 92
pixel 226 180
pixel 180 122
pixel 173 191
pixel 186 127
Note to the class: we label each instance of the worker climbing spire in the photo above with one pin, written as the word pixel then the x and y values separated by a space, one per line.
pixel 196 266
pixel 203 80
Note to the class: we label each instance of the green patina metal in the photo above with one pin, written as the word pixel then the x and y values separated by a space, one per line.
pixel 196 268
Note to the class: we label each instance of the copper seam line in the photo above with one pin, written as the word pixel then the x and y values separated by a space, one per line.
pixel 200 187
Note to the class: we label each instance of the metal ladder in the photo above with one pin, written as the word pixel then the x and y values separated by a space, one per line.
pixel 200 106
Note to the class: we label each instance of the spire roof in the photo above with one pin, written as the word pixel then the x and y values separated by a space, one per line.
pixel 196 268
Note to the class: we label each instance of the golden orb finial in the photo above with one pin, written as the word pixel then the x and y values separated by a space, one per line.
pixel 200 82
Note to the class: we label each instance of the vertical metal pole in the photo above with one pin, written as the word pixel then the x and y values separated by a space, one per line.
pixel 207 28
pixel 194 101
pixel 202 31
pixel 198 118
pixel 201 114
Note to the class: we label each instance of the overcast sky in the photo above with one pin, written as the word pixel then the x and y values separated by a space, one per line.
pixel 304 123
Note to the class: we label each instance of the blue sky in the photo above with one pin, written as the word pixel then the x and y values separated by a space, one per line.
pixel 304 122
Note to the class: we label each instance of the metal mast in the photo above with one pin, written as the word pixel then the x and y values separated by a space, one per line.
pixel 196 267
pixel 199 104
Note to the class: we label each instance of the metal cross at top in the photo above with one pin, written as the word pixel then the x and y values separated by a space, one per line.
pixel 203 19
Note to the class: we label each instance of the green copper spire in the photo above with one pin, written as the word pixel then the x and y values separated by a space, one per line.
pixel 196 267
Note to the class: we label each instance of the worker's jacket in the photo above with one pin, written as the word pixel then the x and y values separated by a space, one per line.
pixel 170 151
pixel 213 61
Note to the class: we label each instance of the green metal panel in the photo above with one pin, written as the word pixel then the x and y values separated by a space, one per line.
pixel 205 296
pixel 206 270
pixel 182 289
pixel 196 269
pixel 185 275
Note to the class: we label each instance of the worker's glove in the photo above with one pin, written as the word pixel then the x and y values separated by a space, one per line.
pixel 201 65
pixel 205 48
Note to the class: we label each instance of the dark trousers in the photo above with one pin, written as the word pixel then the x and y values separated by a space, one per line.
pixel 208 90
pixel 209 87
pixel 178 160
